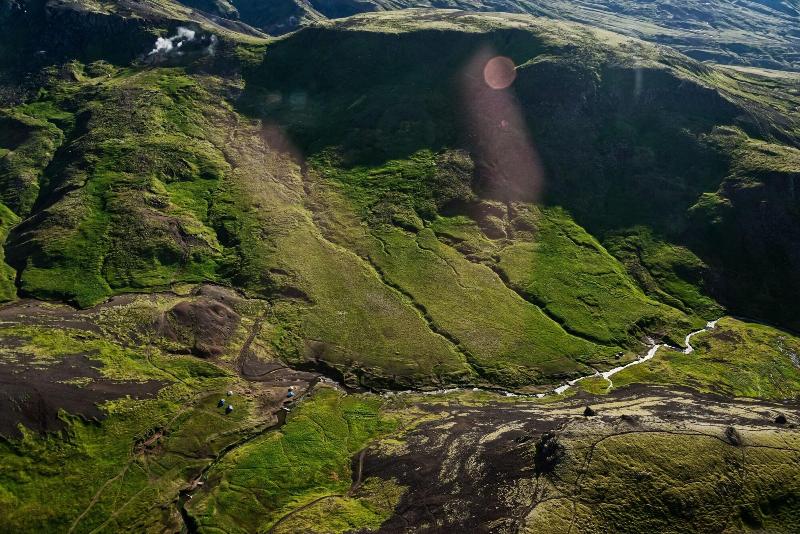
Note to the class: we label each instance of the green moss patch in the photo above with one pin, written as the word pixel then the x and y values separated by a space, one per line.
pixel 578 282
pixel 736 358
pixel 306 460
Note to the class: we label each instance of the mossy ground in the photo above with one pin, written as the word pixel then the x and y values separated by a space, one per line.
pixel 306 460
pixel 8 290
pixel 367 509
pixel 736 358
pixel 301 477
pixel 126 469
pixel 674 483
pixel 584 286
pixel 702 477
pixel 129 188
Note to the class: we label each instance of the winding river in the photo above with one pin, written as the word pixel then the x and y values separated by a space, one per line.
pixel 649 356
pixel 566 386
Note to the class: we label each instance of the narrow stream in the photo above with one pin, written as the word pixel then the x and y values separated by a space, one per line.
pixel 186 494
pixel 564 387
pixel 649 356
pixel 689 349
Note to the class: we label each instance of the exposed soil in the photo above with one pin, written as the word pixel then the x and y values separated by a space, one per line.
pixel 32 394
pixel 474 468
pixel 34 312
pixel 458 478
pixel 204 325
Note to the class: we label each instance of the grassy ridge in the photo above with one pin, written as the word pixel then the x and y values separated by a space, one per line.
pixel 511 340
pixel 669 273
pixel 630 139
pixel 8 219
pixel 122 204
pixel 28 147
pixel 331 306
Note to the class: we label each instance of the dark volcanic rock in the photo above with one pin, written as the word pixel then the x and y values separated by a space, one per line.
pixel 203 326
pixel 472 475
pixel 33 395
pixel 549 453
pixel 732 436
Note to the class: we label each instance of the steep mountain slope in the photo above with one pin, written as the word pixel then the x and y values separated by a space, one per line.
pixel 238 271
pixel 657 142
pixel 418 189
pixel 758 32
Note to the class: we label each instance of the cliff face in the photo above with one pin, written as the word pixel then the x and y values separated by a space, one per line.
pixel 752 238
pixel 760 33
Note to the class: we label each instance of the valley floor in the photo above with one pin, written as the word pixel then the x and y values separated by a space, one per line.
pixel 650 452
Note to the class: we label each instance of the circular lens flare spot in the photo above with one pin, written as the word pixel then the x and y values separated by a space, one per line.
pixel 499 72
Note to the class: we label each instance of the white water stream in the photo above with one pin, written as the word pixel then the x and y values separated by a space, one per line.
pixel 689 349
pixel 649 356
pixel 564 387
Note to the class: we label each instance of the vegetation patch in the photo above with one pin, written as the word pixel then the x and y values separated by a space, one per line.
pixel 127 203
pixel 673 482
pixel 579 283
pixel 736 358
pixel 142 446
pixel 8 290
pixel 307 460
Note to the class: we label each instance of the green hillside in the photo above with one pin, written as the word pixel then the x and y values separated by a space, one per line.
pixel 408 271
pixel 388 177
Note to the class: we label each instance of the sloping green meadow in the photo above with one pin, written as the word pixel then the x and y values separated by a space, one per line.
pixel 126 469
pixel 737 358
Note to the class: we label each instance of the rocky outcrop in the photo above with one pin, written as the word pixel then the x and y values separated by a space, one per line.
pixel 203 326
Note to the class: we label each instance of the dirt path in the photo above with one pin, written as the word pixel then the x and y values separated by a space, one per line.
pixel 97 495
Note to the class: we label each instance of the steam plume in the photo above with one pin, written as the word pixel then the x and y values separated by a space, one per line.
pixel 165 45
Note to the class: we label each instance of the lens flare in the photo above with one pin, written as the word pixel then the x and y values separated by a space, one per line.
pixel 499 72
pixel 506 160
